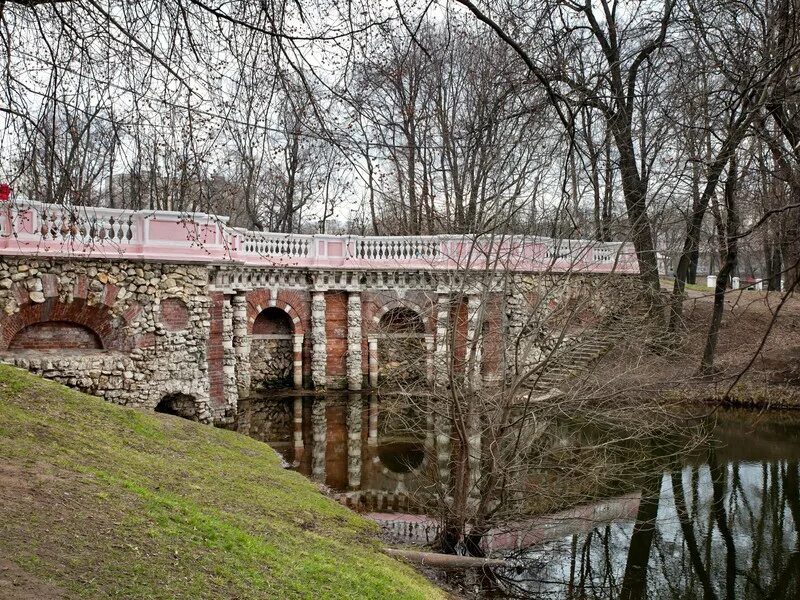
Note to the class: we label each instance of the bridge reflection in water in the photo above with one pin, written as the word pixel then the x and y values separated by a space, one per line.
pixel 722 523
pixel 371 458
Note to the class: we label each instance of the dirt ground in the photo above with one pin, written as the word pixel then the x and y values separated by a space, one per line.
pixel 757 360
pixel 16 584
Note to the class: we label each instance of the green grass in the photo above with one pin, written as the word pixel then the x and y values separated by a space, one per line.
pixel 667 284
pixel 108 502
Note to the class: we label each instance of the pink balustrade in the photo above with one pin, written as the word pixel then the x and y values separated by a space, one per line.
pixel 45 230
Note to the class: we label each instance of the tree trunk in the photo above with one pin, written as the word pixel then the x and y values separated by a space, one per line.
pixel 636 203
pixel 728 235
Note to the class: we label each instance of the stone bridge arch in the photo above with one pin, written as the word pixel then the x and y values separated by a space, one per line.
pixel 276 347
pixel 182 400
pixel 57 325
pixel 401 342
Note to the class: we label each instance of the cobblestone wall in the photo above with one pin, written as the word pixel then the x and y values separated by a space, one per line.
pixel 145 355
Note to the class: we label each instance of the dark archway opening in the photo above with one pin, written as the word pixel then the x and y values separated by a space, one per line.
pixel 273 321
pixel 179 405
pixel 402 320
pixel 401 347
pixel 271 349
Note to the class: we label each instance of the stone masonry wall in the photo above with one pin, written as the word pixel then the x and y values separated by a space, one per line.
pixel 146 354
pixel 271 363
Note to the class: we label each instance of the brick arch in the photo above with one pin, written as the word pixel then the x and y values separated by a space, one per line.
pixel 260 300
pixel 97 318
pixel 281 317
pixel 407 304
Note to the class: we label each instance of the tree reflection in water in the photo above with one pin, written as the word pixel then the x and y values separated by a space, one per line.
pixel 718 530
pixel 723 525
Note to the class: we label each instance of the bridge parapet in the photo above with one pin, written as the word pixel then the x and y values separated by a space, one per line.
pixel 33 228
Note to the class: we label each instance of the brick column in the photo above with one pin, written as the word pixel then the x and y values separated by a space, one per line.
pixel 297 364
pixel 442 349
pixel 319 341
pixel 354 407
pixel 354 376
pixel 241 344
pixel 373 362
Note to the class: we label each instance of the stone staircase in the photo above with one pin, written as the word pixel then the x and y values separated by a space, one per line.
pixel 577 355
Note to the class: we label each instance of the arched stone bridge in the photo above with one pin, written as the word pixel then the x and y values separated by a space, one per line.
pixel 162 308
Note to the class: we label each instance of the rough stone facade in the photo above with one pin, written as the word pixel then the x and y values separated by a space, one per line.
pixel 137 332
pixel 146 355
pixel 270 363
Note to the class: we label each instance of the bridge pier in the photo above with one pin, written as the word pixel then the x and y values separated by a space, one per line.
pixel 297 360
pixel 354 375
pixel 241 344
pixel 319 340
pixel 372 344
pixel 354 409
pixel 230 391
pixel 472 360
pixel 442 343
pixel 298 427
pixel 319 430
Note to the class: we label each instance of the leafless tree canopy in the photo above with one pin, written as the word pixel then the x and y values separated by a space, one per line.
pixel 673 124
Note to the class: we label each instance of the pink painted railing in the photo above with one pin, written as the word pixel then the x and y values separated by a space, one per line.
pixel 33 228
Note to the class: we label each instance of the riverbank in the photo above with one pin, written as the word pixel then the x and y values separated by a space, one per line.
pixel 101 501
pixel 771 380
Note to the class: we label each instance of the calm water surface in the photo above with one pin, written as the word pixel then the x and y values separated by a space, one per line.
pixel 724 524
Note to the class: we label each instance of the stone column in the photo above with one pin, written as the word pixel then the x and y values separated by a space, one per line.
pixel 354 376
pixel 354 408
pixel 241 344
pixel 373 362
pixel 298 423
pixel 474 449
pixel 442 428
pixel 299 446
pixel 372 440
pixel 441 353
pixel 473 341
pixel 297 365
pixel 319 341
pixel 430 365
pixel 319 430
pixel 229 383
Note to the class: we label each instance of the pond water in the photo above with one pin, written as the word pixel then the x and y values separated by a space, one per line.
pixel 722 524
pixel 373 460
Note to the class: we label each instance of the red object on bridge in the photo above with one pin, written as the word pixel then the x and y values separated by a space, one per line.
pixel 5 192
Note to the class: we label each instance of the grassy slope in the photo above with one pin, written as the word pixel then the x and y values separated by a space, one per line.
pixel 105 501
